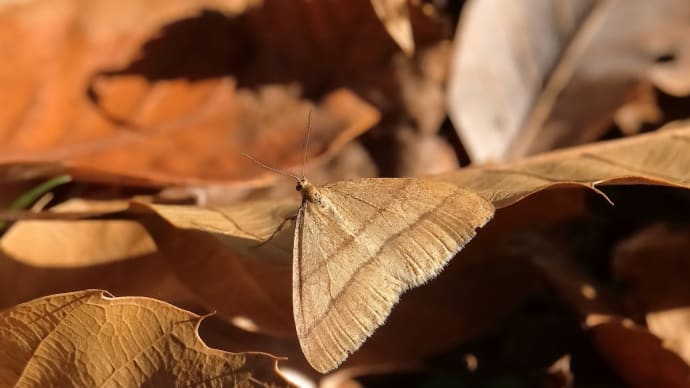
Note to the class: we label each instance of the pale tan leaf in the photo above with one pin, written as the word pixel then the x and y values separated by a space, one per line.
pixel 77 243
pixel 241 226
pixel 395 16
pixel 90 339
pixel 530 76
pixel 660 158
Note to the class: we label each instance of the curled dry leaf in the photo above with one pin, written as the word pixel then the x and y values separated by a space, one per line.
pixel 534 75
pixel 90 339
pixel 395 16
pixel 660 158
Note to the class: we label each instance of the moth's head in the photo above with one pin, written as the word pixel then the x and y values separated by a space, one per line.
pixel 302 184
pixel 308 191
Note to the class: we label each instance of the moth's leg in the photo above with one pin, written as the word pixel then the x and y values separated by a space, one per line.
pixel 275 232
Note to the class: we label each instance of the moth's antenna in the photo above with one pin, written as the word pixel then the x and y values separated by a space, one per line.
pixel 266 166
pixel 306 142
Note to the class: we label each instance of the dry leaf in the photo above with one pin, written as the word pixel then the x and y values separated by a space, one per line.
pixel 653 263
pixel 640 109
pixel 424 155
pixel 534 75
pixel 658 158
pixel 353 51
pixel 77 243
pixel 90 339
pixel 423 83
pixel 395 16
pixel 136 124
pixel 638 356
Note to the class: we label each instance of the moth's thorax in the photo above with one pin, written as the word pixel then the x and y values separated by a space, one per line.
pixel 309 192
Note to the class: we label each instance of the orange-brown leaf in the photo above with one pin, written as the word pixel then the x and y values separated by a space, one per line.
pixel 90 339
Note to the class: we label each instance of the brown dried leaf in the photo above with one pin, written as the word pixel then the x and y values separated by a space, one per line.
pixel 638 356
pixel 90 339
pixel 635 353
pixel 139 128
pixel 654 264
pixel 641 108
pixel 395 16
pixel 353 50
pixel 534 75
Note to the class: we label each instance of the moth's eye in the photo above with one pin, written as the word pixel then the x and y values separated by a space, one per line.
pixel 299 187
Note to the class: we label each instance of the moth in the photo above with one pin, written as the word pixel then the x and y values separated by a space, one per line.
pixel 360 244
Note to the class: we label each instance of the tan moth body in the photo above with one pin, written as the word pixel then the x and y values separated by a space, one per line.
pixel 359 244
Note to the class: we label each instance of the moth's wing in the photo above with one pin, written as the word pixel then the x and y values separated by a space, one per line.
pixel 372 240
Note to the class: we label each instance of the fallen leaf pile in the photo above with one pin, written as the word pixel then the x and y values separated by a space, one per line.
pixel 147 218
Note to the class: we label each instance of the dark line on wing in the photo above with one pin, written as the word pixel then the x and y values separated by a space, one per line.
pixel 373 257
pixel 409 226
pixel 353 237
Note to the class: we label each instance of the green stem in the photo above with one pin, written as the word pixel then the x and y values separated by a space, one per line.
pixel 31 196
